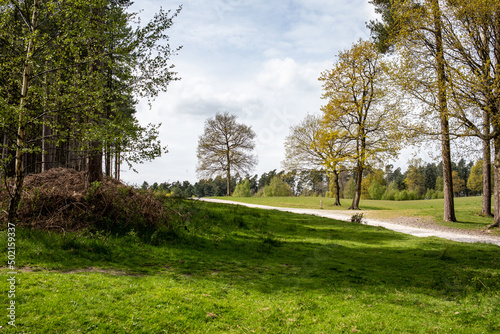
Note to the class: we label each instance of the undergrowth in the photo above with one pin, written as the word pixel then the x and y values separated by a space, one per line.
pixel 57 200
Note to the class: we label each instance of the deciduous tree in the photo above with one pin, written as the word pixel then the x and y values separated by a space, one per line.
pixel 415 30
pixel 315 144
pixel 225 146
pixel 358 105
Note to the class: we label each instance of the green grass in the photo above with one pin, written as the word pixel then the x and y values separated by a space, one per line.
pixel 242 270
pixel 467 209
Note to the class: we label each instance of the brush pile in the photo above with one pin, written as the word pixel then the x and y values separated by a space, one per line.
pixel 57 200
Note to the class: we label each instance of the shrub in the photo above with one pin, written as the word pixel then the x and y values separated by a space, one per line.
pixel 277 187
pixel 402 196
pixel 242 189
pixel 357 218
pixel 390 194
pixel 376 190
pixel 349 188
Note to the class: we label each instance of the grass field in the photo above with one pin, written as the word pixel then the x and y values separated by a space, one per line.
pixel 467 209
pixel 242 270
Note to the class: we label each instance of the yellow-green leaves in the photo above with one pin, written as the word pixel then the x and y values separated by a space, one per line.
pixel 359 112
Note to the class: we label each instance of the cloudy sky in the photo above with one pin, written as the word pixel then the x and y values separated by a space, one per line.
pixel 258 59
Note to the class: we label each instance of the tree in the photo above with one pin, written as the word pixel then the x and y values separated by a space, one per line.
pixel 476 179
pixel 415 30
pixel 314 144
pixel 32 29
pixel 358 104
pixel 458 183
pixel 277 187
pixel 225 146
pixel 242 189
pixel 473 39
pixel 68 73
pixel 415 178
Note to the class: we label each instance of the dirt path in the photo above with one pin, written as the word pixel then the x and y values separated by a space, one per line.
pixel 407 225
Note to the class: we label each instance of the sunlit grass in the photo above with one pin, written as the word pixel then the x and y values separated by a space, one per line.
pixel 242 270
pixel 467 209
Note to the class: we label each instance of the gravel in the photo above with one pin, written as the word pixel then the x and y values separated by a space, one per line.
pixel 418 227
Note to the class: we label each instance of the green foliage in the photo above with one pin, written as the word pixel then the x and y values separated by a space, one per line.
pixel 277 187
pixel 433 194
pixel 357 218
pixel 377 190
pixel 243 189
pixel 91 191
pixel 439 183
pixel 475 180
pixel 350 188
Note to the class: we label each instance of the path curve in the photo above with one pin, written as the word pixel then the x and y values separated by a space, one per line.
pixel 455 235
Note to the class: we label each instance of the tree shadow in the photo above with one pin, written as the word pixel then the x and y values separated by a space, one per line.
pixel 278 251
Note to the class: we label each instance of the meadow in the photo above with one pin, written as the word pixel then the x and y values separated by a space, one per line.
pixel 232 269
pixel 467 209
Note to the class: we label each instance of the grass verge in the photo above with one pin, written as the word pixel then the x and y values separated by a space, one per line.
pixel 467 209
pixel 241 270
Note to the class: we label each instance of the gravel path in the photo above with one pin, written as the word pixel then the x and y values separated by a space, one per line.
pixel 408 225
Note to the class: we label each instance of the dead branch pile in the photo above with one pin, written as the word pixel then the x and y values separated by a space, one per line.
pixel 57 200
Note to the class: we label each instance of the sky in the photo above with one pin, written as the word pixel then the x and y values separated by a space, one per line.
pixel 257 59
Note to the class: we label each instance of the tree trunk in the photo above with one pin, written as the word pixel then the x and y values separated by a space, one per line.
pixel 337 187
pixel 228 183
pixel 496 200
pixel 107 160
pixel 449 206
pixel 93 172
pixel 486 166
pixel 21 131
pixel 94 164
pixel 117 164
pixel 357 189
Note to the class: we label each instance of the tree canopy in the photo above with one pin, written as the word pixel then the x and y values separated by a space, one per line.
pixel 225 146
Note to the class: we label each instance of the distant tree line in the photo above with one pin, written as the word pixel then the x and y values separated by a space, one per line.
pixel 421 180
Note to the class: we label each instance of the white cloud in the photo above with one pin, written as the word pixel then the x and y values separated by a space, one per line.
pixel 259 59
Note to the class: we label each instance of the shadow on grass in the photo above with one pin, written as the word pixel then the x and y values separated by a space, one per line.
pixel 272 250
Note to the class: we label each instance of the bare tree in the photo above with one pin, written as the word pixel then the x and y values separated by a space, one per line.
pixel 225 146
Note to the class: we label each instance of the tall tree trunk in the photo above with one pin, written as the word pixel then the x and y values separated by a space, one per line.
pixel 108 161
pixel 47 150
pixel 228 182
pixel 94 164
pixel 486 166
pixel 496 200
pixel 93 171
pixel 21 131
pixel 494 109
pixel 449 205
pixel 117 164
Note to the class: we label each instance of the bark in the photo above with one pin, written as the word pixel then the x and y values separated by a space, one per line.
pixel 48 154
pixel 21 131
pixel 486 210
pixel 337 187
pixel 449 206
pixel 94 164
pixel 93 172
pixel 228 175
pixel 496 209
pixel 357 189
pixel 117 165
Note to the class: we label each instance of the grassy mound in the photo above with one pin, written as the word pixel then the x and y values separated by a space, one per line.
pixel 57 200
